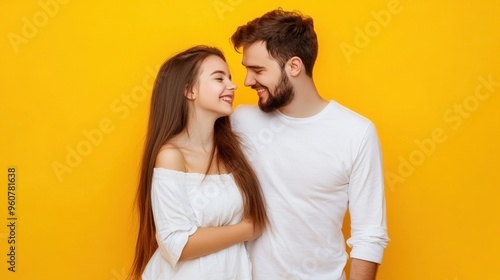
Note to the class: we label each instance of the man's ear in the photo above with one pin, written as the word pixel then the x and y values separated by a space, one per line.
pixel 294 66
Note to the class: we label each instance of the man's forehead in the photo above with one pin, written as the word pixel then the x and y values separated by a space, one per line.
pixel 256 55
pixel 258 47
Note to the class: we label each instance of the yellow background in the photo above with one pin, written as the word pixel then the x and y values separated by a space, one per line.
pixel 75 82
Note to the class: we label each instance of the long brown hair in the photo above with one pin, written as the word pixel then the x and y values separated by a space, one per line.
pixel 168 117
pixel 286 34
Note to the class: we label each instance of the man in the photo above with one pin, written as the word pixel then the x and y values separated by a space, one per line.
pixel 315 160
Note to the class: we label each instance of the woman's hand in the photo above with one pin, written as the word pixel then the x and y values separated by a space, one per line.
pixel 252 232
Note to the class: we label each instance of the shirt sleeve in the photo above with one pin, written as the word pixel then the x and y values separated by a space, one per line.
pixel 173 215
pixel 367 201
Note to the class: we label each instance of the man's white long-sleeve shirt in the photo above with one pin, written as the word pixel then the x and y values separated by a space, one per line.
pixel 312 170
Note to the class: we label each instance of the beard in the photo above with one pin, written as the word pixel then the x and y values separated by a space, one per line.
pixel 282 95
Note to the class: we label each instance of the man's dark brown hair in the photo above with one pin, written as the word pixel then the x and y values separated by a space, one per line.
pixel 286 34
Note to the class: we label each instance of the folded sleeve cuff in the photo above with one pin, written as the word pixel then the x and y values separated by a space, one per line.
pixel 173 246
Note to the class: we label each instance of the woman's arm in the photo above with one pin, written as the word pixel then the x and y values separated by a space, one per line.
pixel 212 239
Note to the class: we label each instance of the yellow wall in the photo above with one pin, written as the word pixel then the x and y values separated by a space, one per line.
pixel 75 79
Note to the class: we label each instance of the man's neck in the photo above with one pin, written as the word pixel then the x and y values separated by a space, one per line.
pixel 306 102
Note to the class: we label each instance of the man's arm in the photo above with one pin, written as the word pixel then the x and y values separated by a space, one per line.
pixel 363 270
pixel 367 209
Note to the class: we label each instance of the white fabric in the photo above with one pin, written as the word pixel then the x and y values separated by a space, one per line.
pixel 311 171
pixel 183 202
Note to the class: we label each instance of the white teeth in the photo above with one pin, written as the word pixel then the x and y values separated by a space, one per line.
pixel 228 99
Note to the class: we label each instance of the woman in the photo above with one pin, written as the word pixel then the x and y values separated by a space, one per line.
pixel 198 197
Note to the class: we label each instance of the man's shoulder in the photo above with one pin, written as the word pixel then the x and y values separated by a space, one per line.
pixel 348 115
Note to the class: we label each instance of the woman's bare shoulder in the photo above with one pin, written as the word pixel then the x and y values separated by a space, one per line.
pixel 171 157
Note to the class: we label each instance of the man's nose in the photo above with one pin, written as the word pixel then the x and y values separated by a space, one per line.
pixel 249 80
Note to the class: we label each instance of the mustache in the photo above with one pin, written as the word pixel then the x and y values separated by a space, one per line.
pixel 256 86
